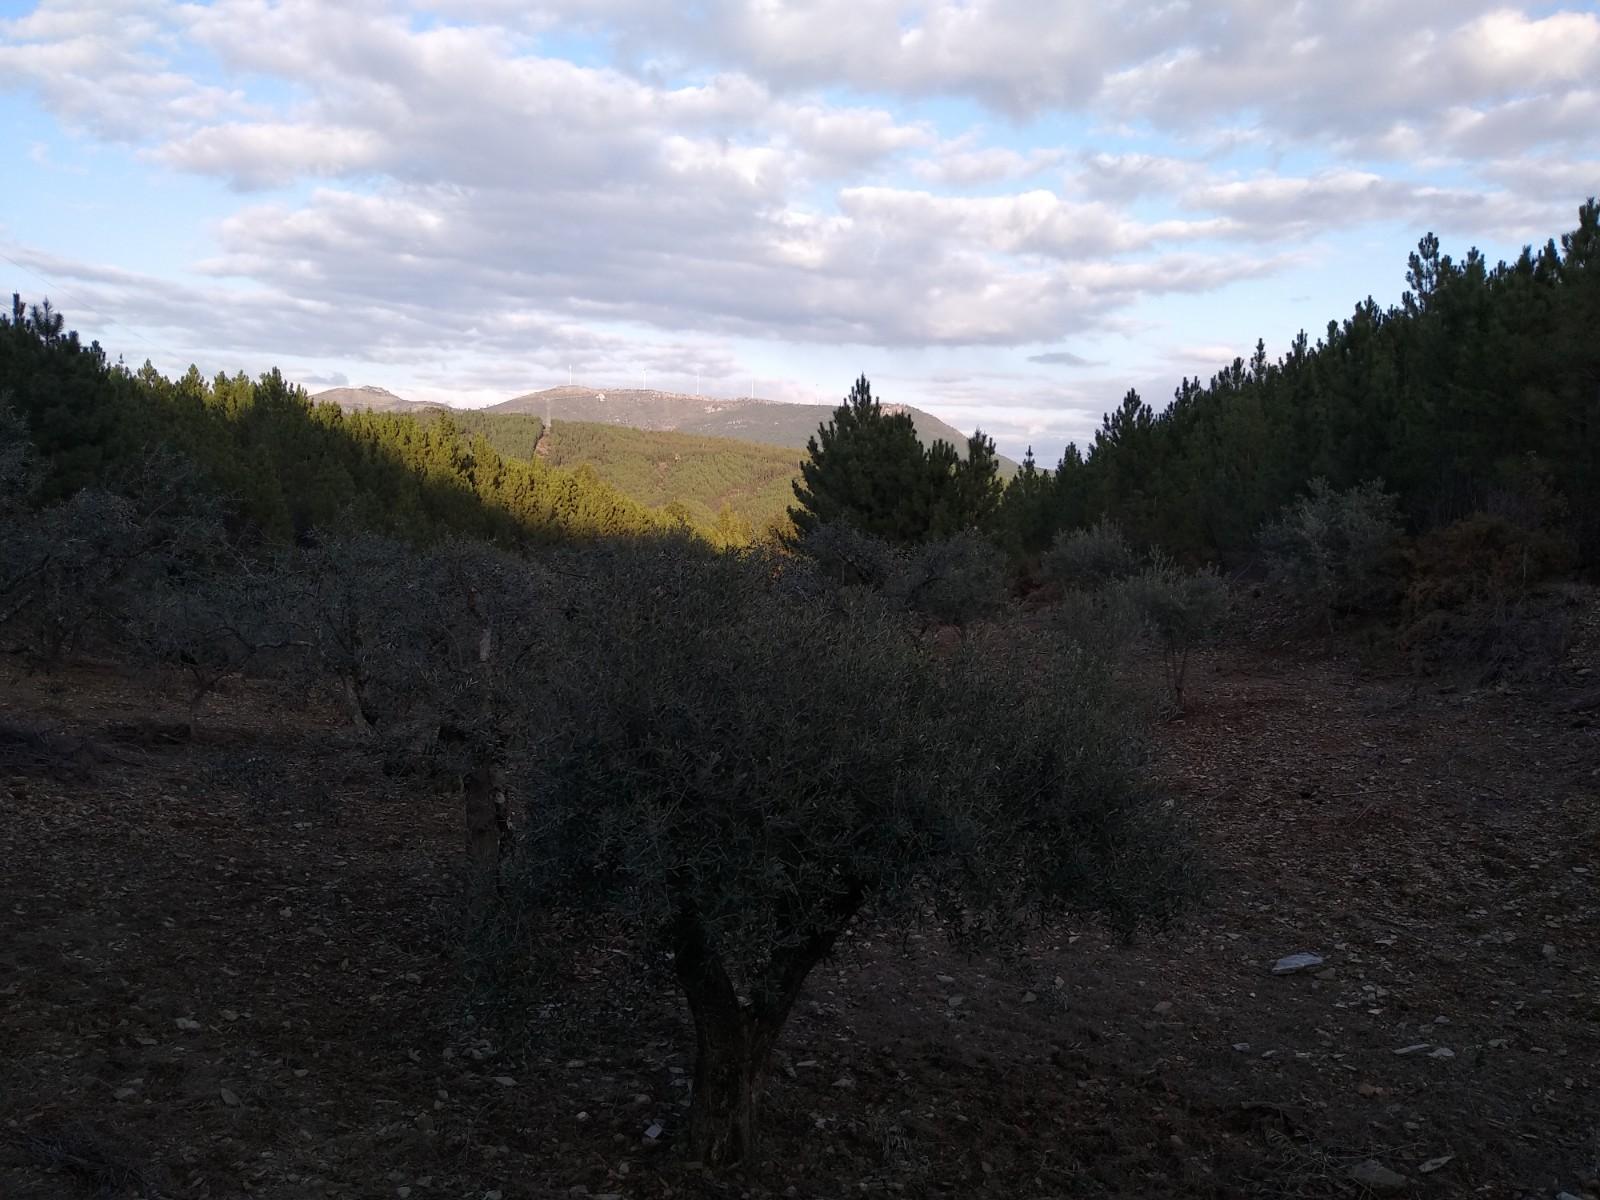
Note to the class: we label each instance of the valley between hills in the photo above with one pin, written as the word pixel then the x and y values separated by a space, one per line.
pixel 709 458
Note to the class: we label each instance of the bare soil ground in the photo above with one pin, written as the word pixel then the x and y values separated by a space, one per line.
pixel 232 967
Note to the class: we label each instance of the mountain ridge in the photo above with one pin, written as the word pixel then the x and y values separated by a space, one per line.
pixel 746 419
pixel 369 398
pixel 743 419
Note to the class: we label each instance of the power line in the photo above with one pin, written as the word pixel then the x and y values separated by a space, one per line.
pixel 89 308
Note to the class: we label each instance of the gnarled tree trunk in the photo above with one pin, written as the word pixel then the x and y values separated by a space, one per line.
pixel 488 830
pixel 729 1070
pixel 734 1038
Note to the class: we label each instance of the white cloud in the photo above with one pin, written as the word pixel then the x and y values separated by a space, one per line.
pixel 450 179
pixel 268 154
pixel 962 162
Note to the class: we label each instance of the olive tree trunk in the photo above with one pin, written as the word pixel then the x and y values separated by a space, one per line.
pixel 734 1038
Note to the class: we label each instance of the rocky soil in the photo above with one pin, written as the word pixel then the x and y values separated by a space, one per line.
pixel 232 966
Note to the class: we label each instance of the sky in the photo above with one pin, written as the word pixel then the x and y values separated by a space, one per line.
pixel 1007 212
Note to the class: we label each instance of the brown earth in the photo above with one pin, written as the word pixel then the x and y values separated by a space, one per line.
pixel 231 967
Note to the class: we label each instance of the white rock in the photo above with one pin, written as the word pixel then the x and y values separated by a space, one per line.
pixel 1373 1174
pixel 1412 1049
pixel 1294 963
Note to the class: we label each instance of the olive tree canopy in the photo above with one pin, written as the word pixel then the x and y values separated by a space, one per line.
pixel 743 761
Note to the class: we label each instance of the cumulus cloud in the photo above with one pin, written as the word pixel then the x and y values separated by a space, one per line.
pixel 963 162
pixel 431 179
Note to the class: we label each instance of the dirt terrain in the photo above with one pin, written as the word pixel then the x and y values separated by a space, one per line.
pixel 231 966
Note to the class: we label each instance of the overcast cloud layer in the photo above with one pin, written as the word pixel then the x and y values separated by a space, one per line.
pixel 1003 213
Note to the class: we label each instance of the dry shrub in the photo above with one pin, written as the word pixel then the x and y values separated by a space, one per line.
pixel 1520 640
pixel 1476 600
pixel 1482 558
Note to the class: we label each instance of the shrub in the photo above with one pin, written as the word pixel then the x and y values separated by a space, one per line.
pixel 1102 622
pixel 90 562
pixel 1341 550
pixel 1482 559
pixel 953 580
pixel 851 558
pixel 1473 602
pixel 1183 609
pixel 429 647
pixel 742 773
pixel 1089 558
pixel 213 622
pixel 1519 639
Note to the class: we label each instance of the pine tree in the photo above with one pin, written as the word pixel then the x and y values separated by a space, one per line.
pixel 977 484
pixel 865 468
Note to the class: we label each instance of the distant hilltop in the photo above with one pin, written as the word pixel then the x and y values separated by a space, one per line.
pixel 371 399
pixel 746 419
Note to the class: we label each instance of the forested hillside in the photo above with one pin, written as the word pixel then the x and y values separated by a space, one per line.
pixel 734 490
pixel 1479 392
pixel 279 463
pixel 740 488
pixel 765 422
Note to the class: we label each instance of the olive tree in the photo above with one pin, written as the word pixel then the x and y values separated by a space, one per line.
pixel 432 651
pixel 89 563
pixel 1340 549
pixel 953 580
pixel 1085 559
pixel 743 771
pixel 213 619
pixel 1183 609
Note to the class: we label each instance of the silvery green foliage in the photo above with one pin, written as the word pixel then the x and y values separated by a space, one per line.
pixel 851 558
pixel 1084 559
pixel 1182 609
pixel 1339 548
pixel 708 749
pixel 1102 621
pixel 88 564
pixel 433 648
pixel 63 567
pixel 216 620
pixel 953 580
